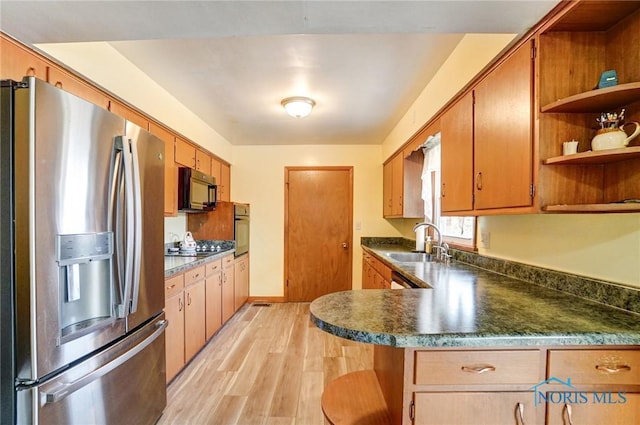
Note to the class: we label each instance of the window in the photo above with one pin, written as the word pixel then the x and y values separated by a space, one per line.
pixel 456 231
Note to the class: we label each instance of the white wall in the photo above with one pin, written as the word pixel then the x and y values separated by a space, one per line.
pixel 601 246
pixel 258 178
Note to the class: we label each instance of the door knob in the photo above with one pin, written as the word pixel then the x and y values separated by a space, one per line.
pixel 345 245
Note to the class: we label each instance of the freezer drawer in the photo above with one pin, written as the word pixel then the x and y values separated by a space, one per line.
pixel 124 384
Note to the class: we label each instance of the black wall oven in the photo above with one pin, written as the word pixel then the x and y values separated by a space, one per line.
pixel 241 228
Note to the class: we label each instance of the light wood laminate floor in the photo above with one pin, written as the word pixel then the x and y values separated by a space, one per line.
pixel 268 365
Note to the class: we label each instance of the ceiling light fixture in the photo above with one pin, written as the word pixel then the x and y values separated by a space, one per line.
pixel 298 106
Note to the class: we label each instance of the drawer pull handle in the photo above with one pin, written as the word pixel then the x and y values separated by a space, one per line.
pixel 172 286
pixel 567 413
pixel 520 410
pixel 478 369
pixel 614 369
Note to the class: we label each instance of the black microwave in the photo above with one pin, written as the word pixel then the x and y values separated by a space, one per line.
pixel 197 192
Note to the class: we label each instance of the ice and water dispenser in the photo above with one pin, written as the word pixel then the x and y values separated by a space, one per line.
pixel 87 292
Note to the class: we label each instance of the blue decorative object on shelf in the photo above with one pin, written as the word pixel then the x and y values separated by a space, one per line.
pixel 608 79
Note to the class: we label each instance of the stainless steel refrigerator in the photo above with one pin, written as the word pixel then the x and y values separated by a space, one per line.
pixel 81 262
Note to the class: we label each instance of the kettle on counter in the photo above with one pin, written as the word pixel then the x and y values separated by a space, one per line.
pixel 188 244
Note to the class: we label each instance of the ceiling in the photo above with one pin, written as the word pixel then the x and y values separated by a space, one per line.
pixel 231 62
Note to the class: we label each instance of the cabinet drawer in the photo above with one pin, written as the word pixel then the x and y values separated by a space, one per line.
pixel 227 260
pixel 212 267
pixel 173 285
pixel 193 275
pixel 475 408
pixel 477 367
pixel 596 366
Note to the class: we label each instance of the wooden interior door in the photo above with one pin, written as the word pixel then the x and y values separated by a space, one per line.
pixel 318 223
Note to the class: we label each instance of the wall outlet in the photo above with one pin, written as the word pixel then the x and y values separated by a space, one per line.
pixel 358 225
pixel 485 239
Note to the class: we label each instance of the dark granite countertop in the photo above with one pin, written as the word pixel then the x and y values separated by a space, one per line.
pixel 466 307
pixel 174 264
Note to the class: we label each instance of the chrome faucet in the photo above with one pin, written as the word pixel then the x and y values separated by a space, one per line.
pixel 443 248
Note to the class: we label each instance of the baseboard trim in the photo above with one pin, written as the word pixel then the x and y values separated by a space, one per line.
pixel 267 299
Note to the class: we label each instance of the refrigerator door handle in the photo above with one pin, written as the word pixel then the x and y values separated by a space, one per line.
pixel 137 237
pixel 125 278
pixel 67 388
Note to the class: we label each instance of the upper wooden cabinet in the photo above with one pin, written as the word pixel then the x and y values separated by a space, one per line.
pixel 224 184
pixel 574 50
pixel 185 153
pixel 18 62
pixel 215 169
pixel 401 178
pixel 203 162
pixel 170 170
pixel 503 153
pixel 457 156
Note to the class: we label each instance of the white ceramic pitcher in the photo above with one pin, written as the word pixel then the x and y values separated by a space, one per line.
pixel 613 138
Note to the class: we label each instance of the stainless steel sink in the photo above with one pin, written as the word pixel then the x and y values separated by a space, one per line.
pixel 410 257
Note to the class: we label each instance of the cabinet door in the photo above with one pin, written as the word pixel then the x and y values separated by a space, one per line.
pixel 224 187
pixel 213 304
pixel 392 175
pixel 185 153
pixel 18 62
pixel 241 280
pixel 387 189
pixel 457 156
pixel 194 319
pixel 611 408
pixel 174 335
pixel 215 172
pixel 203 162
pixel 503 134
pixel 474 408
pixel 228 283
pixel 397 185
pixel 367 277
pixel 170 173
pixel 72 84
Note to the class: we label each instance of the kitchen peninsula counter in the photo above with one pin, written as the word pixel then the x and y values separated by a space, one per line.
pixel 471 337
pixel 470 307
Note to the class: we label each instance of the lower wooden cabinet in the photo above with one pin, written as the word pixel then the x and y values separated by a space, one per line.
pixel 194 318
pixel 213 294
pixel 375 275
pixel 473 408
pixel 241 281
pixel 198 302
pixel 520 385
pixel 611 408
pixel 174 335
pixel 228 288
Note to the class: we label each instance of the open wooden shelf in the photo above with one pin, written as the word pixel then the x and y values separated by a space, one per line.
pixel 595 157
pixel 594 208
pixel 599 100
